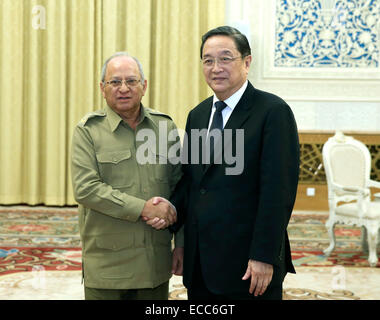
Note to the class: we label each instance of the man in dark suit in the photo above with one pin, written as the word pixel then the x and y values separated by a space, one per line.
pixel 236 243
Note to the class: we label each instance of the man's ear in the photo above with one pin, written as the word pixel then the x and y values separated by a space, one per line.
pixel 145 85
pixel 248 61
pixel 101 84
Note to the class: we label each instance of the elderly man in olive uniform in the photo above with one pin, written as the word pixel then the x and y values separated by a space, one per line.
pixel 126 245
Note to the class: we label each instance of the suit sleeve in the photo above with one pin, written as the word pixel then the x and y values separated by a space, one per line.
pixel 179 197
pixel 175 177
pixel 279 170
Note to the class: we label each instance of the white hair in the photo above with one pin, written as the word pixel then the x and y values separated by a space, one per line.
pixel 122 54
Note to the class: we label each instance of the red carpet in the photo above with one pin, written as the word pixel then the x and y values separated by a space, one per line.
pixel 30 259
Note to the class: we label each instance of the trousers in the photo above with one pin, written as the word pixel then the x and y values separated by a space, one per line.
pixel 199 290
pixel 161 292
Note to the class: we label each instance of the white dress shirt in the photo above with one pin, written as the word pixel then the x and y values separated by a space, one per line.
pixel 231 104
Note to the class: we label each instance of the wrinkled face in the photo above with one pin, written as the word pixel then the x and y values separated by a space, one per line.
pixel 123 99
pixel 229 70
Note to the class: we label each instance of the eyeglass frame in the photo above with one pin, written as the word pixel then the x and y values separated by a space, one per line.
pixel 220 62
pixel 121 81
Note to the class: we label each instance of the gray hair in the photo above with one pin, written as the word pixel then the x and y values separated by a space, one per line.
pixel 122 54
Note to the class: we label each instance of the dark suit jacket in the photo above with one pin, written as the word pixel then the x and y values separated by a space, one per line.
pixel 234 218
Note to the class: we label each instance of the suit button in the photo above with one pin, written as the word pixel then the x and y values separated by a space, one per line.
pixel 203 191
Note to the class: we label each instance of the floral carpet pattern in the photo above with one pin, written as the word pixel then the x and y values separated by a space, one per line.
pixel 308 238
pixel 42 243
pixel 35 238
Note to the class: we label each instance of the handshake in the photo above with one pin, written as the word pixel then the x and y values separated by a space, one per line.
pixel 159 213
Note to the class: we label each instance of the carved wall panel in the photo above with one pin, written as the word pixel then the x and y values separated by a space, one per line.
pixel 311 144
pixel 319 34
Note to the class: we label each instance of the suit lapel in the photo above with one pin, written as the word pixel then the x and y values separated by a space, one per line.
pixel 242 110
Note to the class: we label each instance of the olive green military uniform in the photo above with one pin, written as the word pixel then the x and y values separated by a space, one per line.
pixel 120 251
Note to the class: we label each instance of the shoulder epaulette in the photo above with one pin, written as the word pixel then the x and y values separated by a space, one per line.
pixel 97 113
pixel 158 113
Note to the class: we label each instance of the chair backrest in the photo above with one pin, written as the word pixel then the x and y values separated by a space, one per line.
pixel 347 161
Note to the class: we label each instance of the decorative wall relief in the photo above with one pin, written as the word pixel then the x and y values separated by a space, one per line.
pixel 327 34
pixel 311 161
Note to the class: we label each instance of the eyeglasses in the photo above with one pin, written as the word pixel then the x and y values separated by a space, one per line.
pixel 222 61
pixel 130 83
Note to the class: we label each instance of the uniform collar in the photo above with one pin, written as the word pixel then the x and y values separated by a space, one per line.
pixel 114 119
pixel 145 114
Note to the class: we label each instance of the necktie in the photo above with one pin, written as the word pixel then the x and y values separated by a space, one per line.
pixel 217 120
pixel 217 123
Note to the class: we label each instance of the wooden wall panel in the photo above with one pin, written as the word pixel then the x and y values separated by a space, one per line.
pixel 312 174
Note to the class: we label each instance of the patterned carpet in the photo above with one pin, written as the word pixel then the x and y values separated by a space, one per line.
pixel 308 238
pixel 31 238
pixel 40 258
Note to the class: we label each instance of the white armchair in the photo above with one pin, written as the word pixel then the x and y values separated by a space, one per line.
pixel 347 165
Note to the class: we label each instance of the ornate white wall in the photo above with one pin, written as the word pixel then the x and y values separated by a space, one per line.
pixel 309 35
pixel 324 62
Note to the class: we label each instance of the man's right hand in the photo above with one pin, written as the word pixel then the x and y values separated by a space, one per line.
pixel 159 209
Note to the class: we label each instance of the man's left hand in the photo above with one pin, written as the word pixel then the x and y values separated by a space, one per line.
pixel 261 275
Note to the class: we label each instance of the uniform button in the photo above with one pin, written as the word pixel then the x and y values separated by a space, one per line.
pixel 203 191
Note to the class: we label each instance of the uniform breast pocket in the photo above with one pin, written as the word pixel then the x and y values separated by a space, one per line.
pixel 160 167
pixel 117 168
